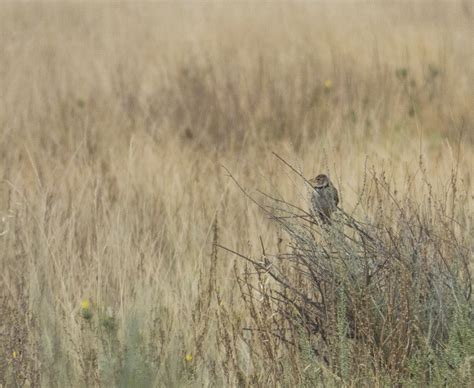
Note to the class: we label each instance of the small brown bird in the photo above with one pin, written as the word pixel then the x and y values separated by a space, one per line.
pixel 324 198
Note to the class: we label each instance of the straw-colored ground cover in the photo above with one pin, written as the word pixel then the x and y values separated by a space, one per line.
pixel 119 125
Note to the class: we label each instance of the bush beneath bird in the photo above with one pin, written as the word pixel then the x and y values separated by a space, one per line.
pixel 386 293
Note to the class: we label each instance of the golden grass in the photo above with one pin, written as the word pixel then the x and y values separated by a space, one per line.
pixel 115 122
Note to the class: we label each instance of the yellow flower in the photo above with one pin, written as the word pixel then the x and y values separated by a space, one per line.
pixel 14 354
pixel 328 84
pixel 86 310
pixel 85 304
pixel 188 357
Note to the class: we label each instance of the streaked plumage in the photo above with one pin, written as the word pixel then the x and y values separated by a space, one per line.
pixel 324 198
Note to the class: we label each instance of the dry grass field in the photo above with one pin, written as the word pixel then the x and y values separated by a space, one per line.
pixel 139 147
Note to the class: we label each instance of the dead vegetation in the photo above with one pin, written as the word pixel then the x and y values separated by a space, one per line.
pixel 115 123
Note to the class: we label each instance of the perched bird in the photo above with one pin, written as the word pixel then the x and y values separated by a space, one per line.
pixel 324 198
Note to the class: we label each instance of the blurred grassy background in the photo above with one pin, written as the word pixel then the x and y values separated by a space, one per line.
pixel 115 120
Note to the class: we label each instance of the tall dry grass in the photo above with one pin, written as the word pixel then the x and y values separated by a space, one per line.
pixel 115 122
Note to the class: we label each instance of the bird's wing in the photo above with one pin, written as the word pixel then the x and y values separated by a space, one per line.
pixel 336 196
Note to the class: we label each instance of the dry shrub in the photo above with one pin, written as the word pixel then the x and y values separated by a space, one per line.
pixel 383 294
